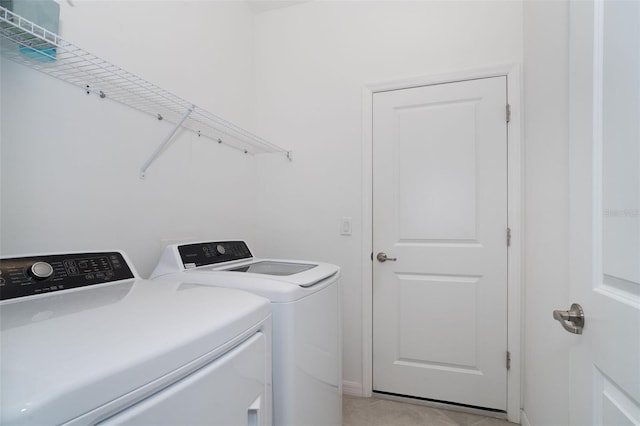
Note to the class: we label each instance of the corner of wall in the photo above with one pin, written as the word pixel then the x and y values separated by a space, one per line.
pixel 352 388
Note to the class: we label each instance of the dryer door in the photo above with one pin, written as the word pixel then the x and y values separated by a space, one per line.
pixel 234 389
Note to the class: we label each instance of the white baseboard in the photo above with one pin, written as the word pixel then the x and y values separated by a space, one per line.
pixel 352 388
pixel 524 420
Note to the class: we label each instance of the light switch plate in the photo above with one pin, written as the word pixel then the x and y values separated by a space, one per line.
pixel 345 226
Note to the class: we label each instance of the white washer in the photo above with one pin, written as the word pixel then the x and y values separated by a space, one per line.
pixel 305 299
pixel 84 341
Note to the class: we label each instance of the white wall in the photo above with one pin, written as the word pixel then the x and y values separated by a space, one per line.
pixel 621 147
pixel 70 161
pixel 312 61
pixel 546 105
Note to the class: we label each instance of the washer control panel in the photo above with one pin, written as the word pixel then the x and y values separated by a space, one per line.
pixel 210 253
pixel 26 276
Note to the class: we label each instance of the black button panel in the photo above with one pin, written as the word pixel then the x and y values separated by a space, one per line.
pixel 69 271
pixel 213 252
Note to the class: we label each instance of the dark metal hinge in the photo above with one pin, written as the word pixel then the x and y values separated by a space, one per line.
pixel 508 237
pixel 508 113
pixel 508 360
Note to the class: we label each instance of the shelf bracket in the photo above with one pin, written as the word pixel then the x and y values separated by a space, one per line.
pixel 164 143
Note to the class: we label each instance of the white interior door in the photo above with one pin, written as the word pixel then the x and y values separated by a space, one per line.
pixel 605 211
pixel 440 215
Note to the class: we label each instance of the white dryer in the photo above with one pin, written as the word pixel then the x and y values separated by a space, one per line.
pixel 84 341
pixel 305 299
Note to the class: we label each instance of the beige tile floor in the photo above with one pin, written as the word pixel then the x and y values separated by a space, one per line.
pixel 382 412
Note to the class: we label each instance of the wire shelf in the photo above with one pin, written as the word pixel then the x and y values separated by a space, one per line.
pixel 31 45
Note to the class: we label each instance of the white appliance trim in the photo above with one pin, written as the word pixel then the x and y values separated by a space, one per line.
pixel 515 218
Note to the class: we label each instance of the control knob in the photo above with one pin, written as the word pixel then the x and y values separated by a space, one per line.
pixel 40 271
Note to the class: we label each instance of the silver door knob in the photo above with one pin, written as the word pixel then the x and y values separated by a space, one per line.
pixel 382 257
pixel 571 320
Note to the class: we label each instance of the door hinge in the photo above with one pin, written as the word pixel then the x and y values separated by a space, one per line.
pixel 508 113
pixel 508 237
pixel 372 256
pixel 508 360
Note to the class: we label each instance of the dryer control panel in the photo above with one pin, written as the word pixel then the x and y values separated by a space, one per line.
pixel 210 253
pixel 27 276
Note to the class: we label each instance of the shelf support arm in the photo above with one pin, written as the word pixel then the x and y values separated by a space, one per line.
pixel 164 143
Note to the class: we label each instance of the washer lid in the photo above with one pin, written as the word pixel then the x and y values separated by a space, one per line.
pixel 70 352
pixel 292 272
pixel 277 288
pixel 270 267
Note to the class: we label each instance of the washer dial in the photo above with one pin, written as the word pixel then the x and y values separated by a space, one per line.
pixel 40 271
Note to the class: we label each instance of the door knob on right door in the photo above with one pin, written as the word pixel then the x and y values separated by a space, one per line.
pixel 571 320
pixel 382 257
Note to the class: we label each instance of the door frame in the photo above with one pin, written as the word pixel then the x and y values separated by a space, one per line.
pixel 514 218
